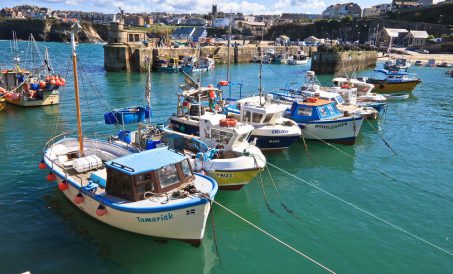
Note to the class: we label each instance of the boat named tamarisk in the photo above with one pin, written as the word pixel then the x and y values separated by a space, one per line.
pixel 153 192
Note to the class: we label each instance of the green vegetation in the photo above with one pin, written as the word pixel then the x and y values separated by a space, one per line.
pixel 438 14
pixel 155 29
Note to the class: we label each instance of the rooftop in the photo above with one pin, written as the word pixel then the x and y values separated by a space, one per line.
pixel 148 160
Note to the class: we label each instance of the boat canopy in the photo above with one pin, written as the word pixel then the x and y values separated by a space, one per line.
pixel 389 72
pixel 145 161
pixel 304 111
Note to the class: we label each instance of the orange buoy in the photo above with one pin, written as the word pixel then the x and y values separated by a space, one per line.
pixel 228 122
pixel 78 199
pixel 42 165
pixel 51 177
pixel 52 82
pixel 223 83
pixel 63 81
pixel 101 210
pixel 63 185
pixel 58 82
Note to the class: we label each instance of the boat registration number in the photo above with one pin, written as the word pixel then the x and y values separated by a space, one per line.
pixel 224 175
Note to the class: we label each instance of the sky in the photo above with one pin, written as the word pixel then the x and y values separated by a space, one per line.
pixel 189 6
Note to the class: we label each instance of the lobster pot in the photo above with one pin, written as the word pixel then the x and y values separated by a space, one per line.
pixel 87 163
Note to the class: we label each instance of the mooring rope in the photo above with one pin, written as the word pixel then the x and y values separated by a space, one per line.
pixel 362 210
pixel 274 237
pixel 278 192
pixel 382 137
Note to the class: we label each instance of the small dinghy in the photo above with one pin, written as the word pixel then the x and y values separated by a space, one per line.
pixel 396 96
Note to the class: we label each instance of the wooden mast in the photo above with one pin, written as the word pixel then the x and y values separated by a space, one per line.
pixel 74 30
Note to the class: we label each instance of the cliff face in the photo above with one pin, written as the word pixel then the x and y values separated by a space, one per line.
pixel 48 30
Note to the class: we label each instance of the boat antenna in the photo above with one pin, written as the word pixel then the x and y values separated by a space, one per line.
pixel 148 85
pixel 229 42
pixel 75 28
pixel 261 73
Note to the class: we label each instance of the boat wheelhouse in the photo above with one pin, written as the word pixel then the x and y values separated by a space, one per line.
pixel 271 129
pixel 320 119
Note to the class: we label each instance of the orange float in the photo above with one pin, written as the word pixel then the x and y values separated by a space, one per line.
pixel 228 122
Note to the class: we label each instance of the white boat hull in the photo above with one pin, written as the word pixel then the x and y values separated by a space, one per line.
pixel 343 131
pixel 174 224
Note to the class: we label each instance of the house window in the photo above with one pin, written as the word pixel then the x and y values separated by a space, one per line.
pixel 168 176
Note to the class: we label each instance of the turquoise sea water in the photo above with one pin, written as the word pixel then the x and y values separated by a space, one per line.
pixel 44 233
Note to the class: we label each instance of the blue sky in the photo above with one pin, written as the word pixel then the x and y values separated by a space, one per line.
pixel 203 6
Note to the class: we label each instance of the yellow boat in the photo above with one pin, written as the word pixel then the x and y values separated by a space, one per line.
pixel 233 179
pixel 394 82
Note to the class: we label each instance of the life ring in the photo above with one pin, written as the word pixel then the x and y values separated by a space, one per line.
pixel 312 99
pixel 228 122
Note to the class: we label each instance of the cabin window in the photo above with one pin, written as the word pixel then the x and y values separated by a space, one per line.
pixel 304 111
pixel 323 111
pixel 168 176
pixel 340 100
pixel 186 168
pixel 222 137
pixel 247 116
pixel 331 109
pixel 256 117
pixel 143 183
pixel 119 185
pixel 268 118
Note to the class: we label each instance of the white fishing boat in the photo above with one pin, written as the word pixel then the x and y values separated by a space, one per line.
pixel 345 98
pixel 154 193
pixel 271 129
pixel 365 96
pixel 298 59
pixel 238 161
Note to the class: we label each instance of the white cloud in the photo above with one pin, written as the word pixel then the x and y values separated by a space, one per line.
pixel 299 6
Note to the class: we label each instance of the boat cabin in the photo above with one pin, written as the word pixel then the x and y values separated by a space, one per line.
pixel 214 132
pixel 11 79
pixel 259 115
pixel 138 176
pixel 324 95
pixel 314 109
pixel 194 102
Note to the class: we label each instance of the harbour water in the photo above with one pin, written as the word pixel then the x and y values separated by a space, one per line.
pixel 43 233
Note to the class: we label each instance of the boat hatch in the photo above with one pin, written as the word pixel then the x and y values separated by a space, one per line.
pixel 137 176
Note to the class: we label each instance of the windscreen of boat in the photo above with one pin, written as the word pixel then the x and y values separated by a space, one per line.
pixel 168 176
pixel 186 170
pixel 268 118
pixel 220 136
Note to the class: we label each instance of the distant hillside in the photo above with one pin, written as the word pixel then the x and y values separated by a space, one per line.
pixel 437 14
pixel 350 30
pixel 50 30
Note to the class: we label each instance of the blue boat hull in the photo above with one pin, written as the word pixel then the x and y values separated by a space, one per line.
pixel 273 142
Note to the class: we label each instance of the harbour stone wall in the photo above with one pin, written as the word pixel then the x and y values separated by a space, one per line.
pixel 342 62
pixel 131 56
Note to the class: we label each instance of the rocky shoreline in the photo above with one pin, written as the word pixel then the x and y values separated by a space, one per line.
pixel 51 30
